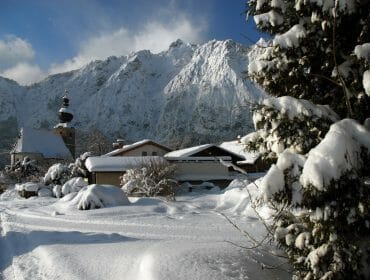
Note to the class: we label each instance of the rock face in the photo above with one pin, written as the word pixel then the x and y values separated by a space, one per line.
pixel 189 94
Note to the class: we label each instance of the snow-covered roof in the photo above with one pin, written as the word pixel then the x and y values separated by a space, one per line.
pixel 189 152
pixel 206 177
pixel 238 148
pixel 196 159
pixel 44 142
pixel 126 148
pixel 116 164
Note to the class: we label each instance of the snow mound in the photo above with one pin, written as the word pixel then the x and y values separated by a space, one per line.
pixel 45 192
pixel 98 196
pixel 235 197
pixel 57 191
pixel 241 197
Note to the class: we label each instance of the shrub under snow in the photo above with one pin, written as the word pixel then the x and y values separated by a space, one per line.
pixel 57 174
pixel 25 170
pixel 99 196
pixel 73 185
pixel 78 168
pixel 154 178
pixel 326 227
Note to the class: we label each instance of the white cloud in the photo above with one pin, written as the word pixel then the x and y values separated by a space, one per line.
pixel 14 50
pixel 17 55
pixel 98 47
pixel 24 73
pixel 155 36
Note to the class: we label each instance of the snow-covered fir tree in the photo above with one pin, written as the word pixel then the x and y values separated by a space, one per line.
pixel 322 200
pixel 319 187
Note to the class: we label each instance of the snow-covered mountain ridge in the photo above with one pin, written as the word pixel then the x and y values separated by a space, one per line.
pixel 188 94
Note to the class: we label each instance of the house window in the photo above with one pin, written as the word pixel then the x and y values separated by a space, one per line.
pixel 144 154
pixel 154 153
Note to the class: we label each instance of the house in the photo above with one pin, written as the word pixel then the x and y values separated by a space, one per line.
pixel 108 170
pixel 46 145
pixel 252 161
pixel 145 147
pixel 204 163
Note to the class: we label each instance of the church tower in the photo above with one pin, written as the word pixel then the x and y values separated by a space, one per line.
pixel 64 128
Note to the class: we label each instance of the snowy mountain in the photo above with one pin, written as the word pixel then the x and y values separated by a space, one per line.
pixel 188 94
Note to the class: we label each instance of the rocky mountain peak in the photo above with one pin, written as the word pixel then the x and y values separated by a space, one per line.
pixel 188 94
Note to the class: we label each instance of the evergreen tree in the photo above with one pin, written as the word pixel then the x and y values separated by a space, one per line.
pixel 320 51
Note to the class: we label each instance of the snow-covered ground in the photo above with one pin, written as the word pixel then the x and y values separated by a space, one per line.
pixel 46 238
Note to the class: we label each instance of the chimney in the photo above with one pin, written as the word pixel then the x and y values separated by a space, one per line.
pixel 238 139
pixel 118 144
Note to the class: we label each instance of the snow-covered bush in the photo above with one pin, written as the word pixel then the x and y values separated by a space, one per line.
pixel 57 174
pixel 25 170
pixel 323 213
pixel 99 196
pixel 288 123
pixel 155 177
pixel 60 178
pixel 65 179
pixel 73 185
pixel 78 168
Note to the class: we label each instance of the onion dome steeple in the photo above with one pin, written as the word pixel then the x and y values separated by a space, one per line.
pixel 65 116
pixel 63 128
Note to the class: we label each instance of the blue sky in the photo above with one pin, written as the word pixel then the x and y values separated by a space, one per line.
pixel 42 37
